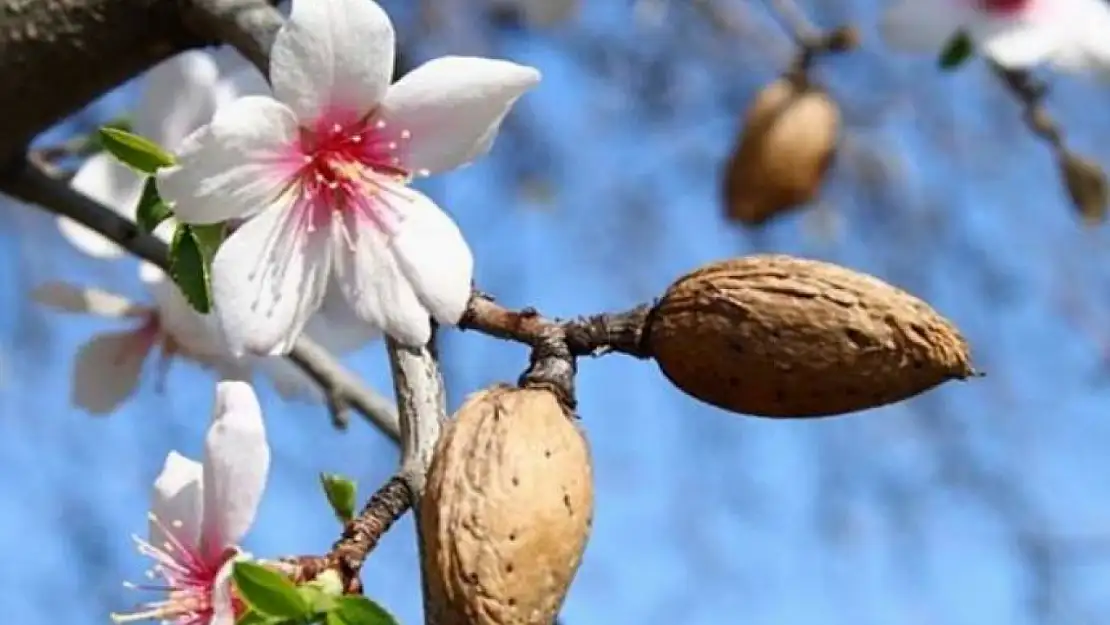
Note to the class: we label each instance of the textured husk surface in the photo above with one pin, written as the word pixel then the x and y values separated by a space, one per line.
pixel 786 144
pixel 778 336
pixel 507 510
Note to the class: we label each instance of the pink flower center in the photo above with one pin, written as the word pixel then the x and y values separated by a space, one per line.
pixel 352 167
pixel 188 580
pixel 1003 7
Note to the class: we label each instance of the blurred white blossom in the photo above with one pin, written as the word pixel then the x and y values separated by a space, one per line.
pixel 109 366
pixel 1069 34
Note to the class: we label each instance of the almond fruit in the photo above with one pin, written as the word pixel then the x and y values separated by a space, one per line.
pixel 777 336
pixel 786 145
pixel 507 510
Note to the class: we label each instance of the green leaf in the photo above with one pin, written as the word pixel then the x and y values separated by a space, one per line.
pixel 358 610
pixel 958 49
pixel 342 494
pixel 210 237
pixel 317 600
pixel 189 269
pixel 251 617
pixel 152 210
pixel 139 153
pixel 268 592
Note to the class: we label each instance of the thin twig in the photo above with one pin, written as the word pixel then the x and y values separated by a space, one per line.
pixel 342 388
pixel 588 336
pixel 360 536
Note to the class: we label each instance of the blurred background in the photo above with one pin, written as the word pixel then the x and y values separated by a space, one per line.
pixel 980 502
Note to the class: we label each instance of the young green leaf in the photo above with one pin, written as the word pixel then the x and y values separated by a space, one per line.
pixel 251 617
pixel 358 610
pixel 189 269
pixel 268 592
pixel 342 494
pixel 210 237
pixel 152 210
pixel 956 51
pixel 138 152
pixel 317 600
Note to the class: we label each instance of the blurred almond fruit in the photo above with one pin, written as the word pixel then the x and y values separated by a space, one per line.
pixel 786 144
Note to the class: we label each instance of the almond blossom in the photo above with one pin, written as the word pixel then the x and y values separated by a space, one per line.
pixel 178 96
pixel 108 367
pixel 1070 34
pixel 324 164
pixel 199 513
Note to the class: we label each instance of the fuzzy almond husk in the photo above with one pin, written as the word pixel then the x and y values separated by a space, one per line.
pixel 786 145
pixel 507 510
pixel 778 336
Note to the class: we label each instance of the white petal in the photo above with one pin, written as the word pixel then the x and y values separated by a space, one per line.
pixel 435 258
pixel 374 284
pixel 332 56
pixel 198 335
pixel 336 326
pixel 1085 46
pixel 106 371
pixel 176 504
pixel 234 166
pixel 236 463
pixel 268 278
pixel 179 96
pixel 223 609
pixel 111 183
pixel 74 299
pixel 453 107
pixel 1015 43
pixel 150 274
pixel 922 27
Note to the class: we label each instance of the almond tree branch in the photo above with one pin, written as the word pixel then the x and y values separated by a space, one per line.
pixel 422 407
pixel 342 388
pixel 360 536
pixel 586 336
pixel 87 47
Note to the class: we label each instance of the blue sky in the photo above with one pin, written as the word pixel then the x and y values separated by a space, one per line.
pixel 940 510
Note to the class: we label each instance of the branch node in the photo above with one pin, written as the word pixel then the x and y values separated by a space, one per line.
pixel 552 366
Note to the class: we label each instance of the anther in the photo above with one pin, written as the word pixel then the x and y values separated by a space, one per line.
pixel 405 134
pixel 380 124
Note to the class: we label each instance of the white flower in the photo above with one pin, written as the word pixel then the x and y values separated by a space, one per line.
pixel 179 95
pixel 324 164
pixel 200 513
pixel 1070 34
pixel 108 367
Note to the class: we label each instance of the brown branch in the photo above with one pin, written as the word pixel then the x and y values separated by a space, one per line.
pixel 342 388
pixel 88 47
pixel 1084 180
pixel 360 537
pixel 586 336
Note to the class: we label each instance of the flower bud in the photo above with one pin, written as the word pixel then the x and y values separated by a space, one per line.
pixel 507 509
pixel 777 336
pixel 786 145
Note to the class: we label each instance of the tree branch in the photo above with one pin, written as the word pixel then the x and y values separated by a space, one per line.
pixel 360 537
pixel 342 388
pixel 248 25
pixel 87 47
pixel 586 336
